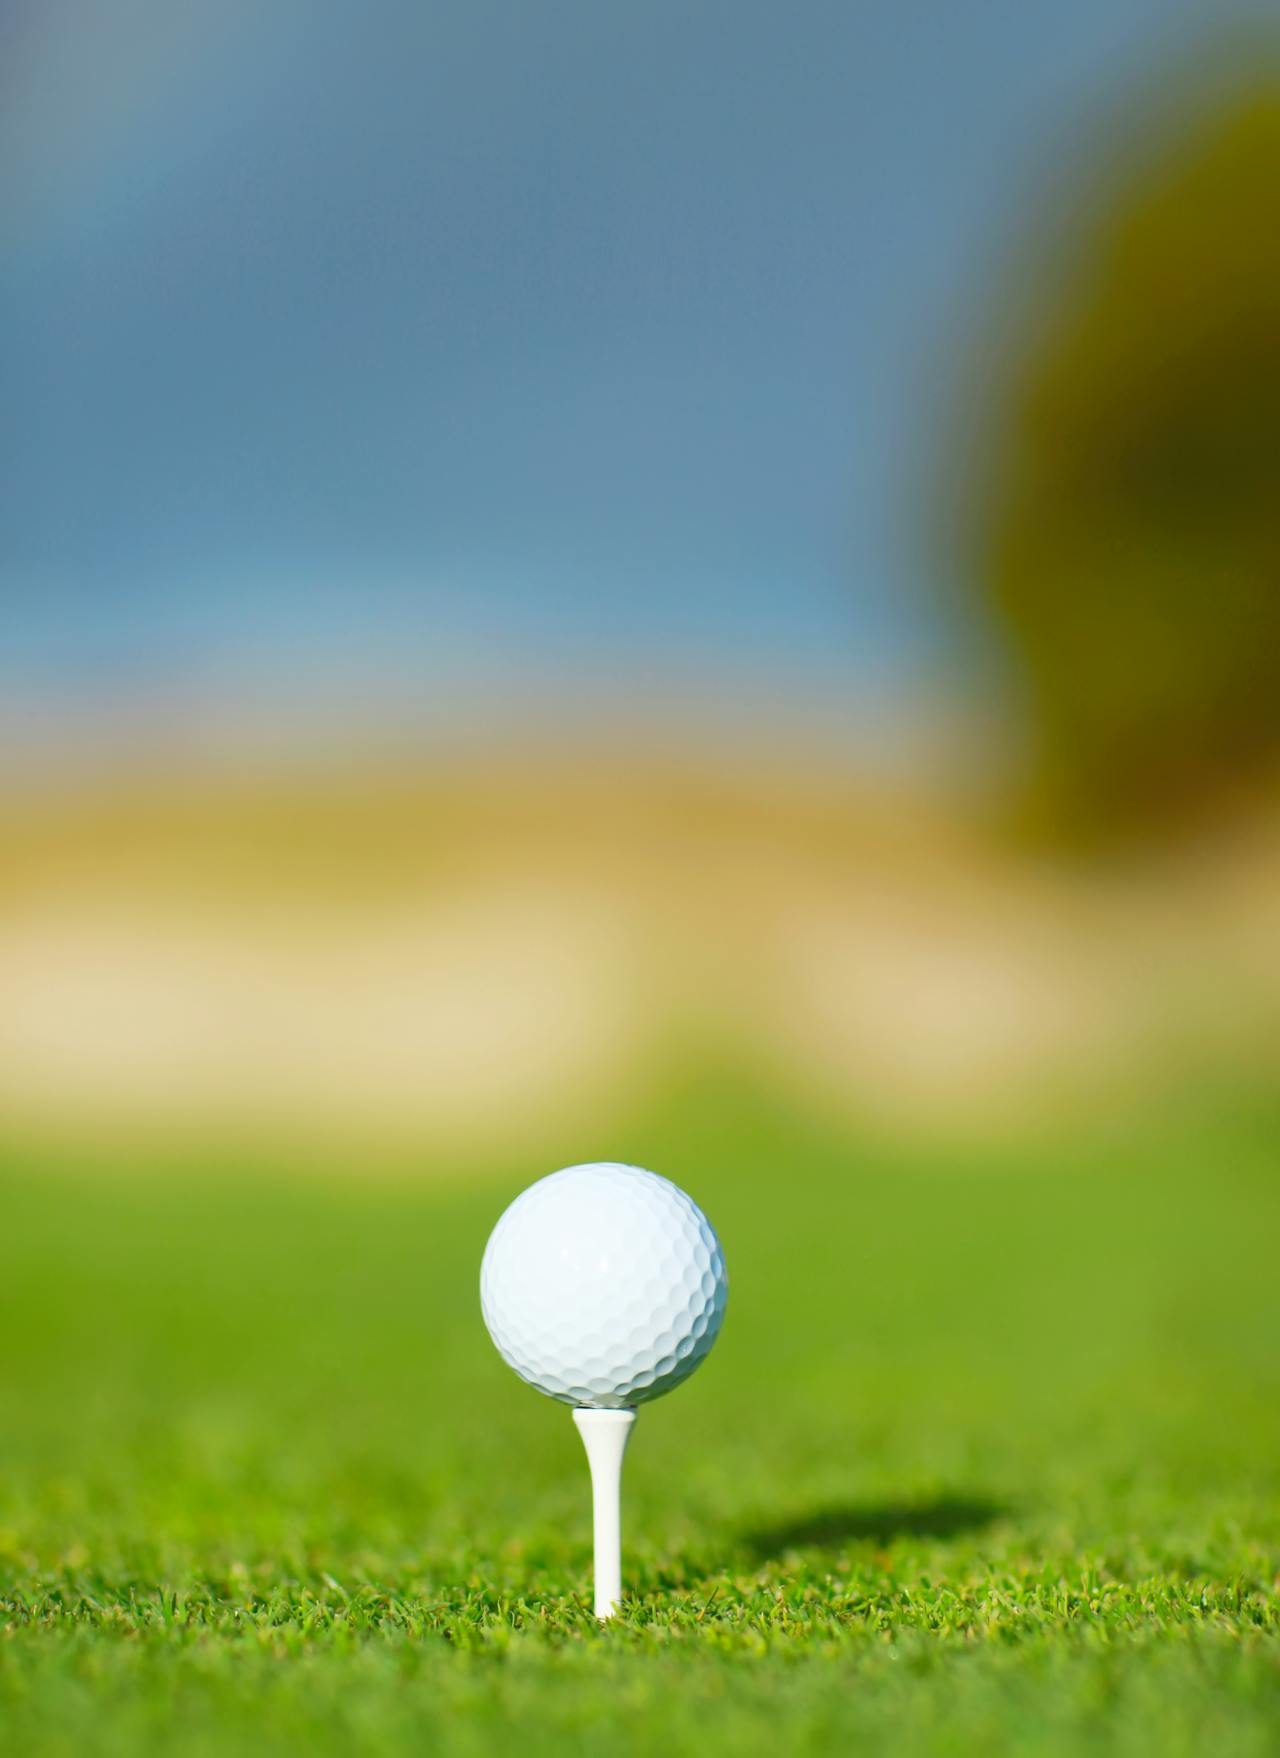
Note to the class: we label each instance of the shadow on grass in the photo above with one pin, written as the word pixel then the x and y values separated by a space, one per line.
pixel 827 1528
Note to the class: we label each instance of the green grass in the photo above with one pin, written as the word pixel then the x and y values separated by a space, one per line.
pixel 987 1458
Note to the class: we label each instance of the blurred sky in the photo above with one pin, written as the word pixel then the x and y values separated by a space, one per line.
pixel 417 362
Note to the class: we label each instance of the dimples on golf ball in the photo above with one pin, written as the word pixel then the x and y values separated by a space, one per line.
pixel 603 1285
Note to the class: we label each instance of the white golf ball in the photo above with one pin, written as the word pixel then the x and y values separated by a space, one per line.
pixel 603 1285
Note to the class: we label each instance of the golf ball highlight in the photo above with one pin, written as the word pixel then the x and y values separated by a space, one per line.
pixel 603 1285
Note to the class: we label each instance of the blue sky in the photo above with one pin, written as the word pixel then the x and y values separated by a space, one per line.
pixel 422 351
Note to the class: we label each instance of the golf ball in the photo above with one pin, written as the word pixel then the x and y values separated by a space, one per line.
pixel 603 1285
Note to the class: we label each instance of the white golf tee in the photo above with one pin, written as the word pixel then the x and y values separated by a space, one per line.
pixel 605 1434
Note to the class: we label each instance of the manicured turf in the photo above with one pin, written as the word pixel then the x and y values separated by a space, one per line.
pixel 987 1459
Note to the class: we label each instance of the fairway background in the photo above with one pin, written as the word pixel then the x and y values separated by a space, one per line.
pixel 986 1456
